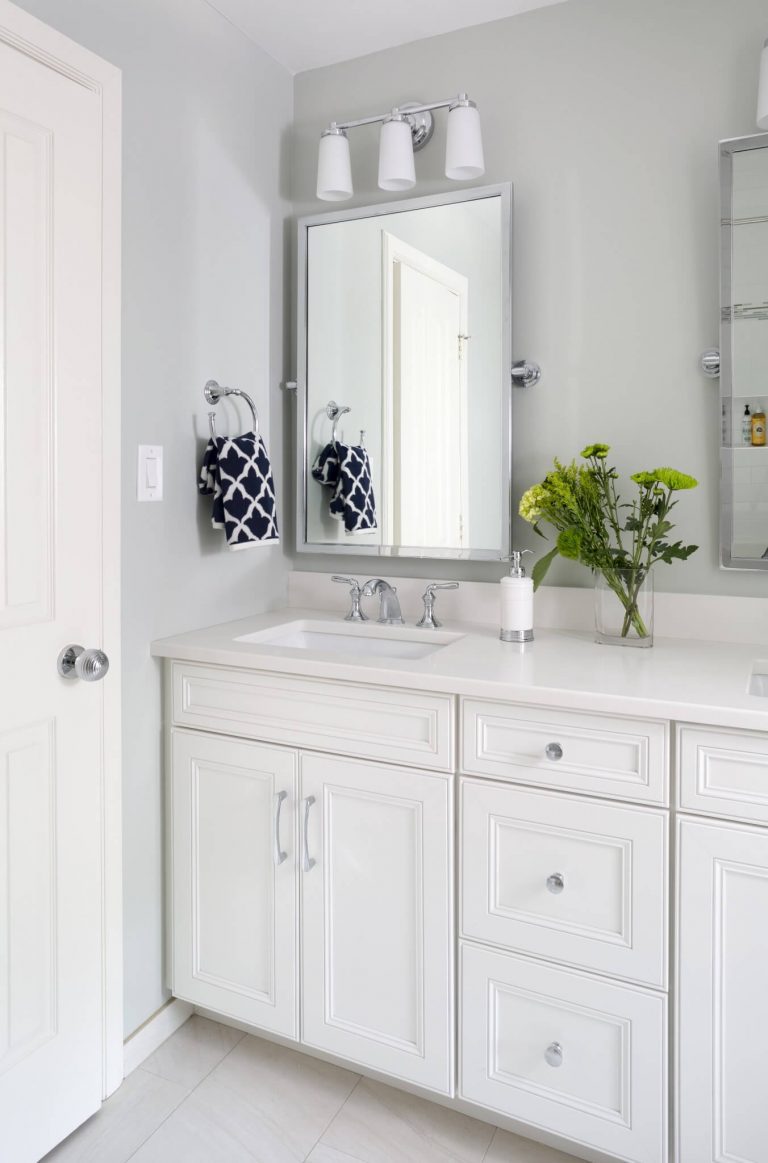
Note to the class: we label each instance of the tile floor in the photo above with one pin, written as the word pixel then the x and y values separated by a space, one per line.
pixel 211 1094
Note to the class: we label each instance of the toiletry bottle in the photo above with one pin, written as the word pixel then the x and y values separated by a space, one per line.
pixel 517 602
pixel 758 427
pixel 746 426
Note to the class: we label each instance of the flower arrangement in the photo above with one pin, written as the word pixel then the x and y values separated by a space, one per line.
pixel 618 540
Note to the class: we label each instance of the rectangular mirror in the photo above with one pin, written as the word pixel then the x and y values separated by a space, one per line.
pixel 744 352
pixel 404 357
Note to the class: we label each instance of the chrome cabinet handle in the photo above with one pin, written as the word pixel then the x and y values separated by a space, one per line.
pixel 307 861
pixel 553 1055
pixel 556 883
pixel 553 751
pixel 87 665
pixel 278 855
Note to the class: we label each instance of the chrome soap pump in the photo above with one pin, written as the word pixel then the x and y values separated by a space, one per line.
pixel 517 602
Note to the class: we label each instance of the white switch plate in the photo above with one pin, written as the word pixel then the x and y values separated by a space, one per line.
pixel 149 476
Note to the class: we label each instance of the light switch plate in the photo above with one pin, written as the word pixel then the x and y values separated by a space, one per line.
pixel 149 476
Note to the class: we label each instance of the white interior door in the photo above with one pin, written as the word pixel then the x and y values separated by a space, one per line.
pixel 426 486
pixel 377 917
pixel 235 944
pixel 53 740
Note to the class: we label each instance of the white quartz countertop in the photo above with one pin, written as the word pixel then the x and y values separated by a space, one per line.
pixel 675 679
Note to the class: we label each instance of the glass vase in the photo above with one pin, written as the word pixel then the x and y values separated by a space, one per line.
pixel 624 608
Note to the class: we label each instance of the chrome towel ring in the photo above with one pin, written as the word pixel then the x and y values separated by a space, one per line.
pixel 213 392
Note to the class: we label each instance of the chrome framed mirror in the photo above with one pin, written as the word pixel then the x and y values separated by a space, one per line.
pixel 404 401
pixel 744 352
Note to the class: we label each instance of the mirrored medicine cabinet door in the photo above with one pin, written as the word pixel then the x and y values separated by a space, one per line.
pixel 404 399
pixel 744 352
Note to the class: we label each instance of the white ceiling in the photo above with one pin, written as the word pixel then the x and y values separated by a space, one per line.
pixel 307 34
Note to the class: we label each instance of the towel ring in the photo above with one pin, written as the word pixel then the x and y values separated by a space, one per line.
pixel 334 412
pixel 213 393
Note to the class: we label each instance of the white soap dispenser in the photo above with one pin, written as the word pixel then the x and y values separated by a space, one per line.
pixel 517 602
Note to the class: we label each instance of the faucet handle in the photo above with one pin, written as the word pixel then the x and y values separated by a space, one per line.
pixel 355 593
pixel 428 620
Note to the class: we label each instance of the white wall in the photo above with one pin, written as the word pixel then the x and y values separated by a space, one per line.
pixel 605 115
pixel 205 117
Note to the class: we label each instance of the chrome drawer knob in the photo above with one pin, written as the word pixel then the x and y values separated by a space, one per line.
pixel 553 1055
pixel 553 751
pixel 88 665
pixel 556 883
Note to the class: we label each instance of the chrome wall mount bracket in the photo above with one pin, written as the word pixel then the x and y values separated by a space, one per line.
pixel 709 362
pixel 422 123
pixel 525 374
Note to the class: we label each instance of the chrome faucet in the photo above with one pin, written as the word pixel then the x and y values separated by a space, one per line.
pixel 428 620
pixel 390 613
pixel 355 593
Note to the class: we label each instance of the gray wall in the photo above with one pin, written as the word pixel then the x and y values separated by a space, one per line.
pixel 205 117
pixel 605 115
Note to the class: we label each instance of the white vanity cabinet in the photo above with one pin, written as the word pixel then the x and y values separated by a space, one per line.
pixel 233 878
pixel 377 917
pixel 311 894
pixel 722 946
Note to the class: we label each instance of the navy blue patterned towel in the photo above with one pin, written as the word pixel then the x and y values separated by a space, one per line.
pixel 237 473
pixel 346 469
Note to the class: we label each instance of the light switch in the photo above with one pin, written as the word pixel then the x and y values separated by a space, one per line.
pixel 149 481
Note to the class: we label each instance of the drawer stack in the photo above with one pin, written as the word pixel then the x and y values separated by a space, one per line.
pixel 563 923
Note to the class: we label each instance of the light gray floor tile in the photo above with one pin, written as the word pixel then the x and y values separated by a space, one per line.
pixel 125 1121
pixel 507 1148
pixel 208 1127
pixel 292 1096
pixel 193 1051
pixel 379 1125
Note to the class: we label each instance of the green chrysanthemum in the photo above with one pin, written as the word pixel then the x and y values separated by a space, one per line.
pixel 600 451
pixel 673 479
pixel 569 544
pixel 645 479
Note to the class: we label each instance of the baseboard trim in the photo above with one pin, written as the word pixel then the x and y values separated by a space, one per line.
pixel 154 1032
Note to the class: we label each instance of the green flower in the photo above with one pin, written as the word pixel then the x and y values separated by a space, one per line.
pixel 673 479
pixel 569 544
pixel 531 503
pixel 644 479
pixel 600 451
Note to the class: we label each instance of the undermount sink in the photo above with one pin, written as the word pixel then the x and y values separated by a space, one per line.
pixel 362 640
pixel 758 680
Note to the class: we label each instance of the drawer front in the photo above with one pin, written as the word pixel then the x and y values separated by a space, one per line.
pixel 597 754
pixel 574 881
pixel 572 1054
pixel 390 725
pixel 723 772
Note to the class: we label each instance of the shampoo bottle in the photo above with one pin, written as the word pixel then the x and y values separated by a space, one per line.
pixel 758 427
pixel 517 602
pixel 746 426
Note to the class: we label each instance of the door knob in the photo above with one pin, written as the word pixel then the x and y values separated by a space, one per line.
pixel 76 662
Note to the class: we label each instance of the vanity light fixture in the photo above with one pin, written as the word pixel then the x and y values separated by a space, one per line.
pixel 762 92
pixel 405 129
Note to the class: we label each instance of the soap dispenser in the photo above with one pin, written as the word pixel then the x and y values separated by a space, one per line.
pixel 517 602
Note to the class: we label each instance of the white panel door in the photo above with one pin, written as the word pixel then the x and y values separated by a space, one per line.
pixel 723 998
pixel 52 738
pixel 426 493
pixel 377 927
pixel 234 907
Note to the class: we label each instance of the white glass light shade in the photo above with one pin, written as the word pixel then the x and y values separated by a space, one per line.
pixel 762 92
pixel 334 173
pixel 464 147
pixel 396 168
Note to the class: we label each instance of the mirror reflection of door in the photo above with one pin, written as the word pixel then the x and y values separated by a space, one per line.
pixel 425 471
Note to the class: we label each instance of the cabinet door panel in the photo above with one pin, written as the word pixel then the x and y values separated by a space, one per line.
pixel 377 917
pixel 234 878
pixel 723 1000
